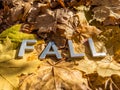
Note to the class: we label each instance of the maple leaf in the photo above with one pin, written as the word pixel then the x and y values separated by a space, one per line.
pixel 84 30
pixel 11 68
pixel 59 25
pixel 105 66
pixel 53 76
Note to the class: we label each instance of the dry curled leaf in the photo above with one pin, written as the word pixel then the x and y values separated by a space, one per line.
pixel 27 28
pixel 97 82
pixel 27 8
pixel 111 38
pixel 45 23
pixel 107 11
pixel 83 29
pixel 57 21
pixel 67 23
pixel 16 13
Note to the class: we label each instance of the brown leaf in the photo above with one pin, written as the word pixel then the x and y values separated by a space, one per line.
pixel 105 2
pixel 111 38
pixel 27 28
pixel 62 3
pixel 16 13
pixel 58 39
pixel 54 76
pixel 107 11
pixel 79 2
pixel 84 30
pixel 113 83
pixel 45 23
pixel 97 82
pixel 54 22
pixel 115 79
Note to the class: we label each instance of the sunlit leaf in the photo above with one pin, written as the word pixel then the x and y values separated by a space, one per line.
pixel 53 76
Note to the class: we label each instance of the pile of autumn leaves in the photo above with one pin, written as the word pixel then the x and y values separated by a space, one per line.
pixel 58 21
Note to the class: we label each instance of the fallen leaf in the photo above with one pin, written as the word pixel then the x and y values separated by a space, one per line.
pixel 84 30
pixel 16 12
pixel 51 76
pixel 15 35
pixel 111 35
pixel 105 66
pixel 97 82
pixel 27 8
pixel 11 67
pixel 107 11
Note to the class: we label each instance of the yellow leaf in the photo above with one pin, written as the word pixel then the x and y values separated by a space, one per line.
pixel 11 67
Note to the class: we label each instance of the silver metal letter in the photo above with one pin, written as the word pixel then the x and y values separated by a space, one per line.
pixel 72 54
pixel 24 47
pixel 48 52
pixel 93 51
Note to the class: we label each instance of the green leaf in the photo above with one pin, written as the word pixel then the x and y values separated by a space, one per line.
pixel 15 35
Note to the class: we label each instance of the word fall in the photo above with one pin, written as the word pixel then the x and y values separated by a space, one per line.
pixel 51 45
